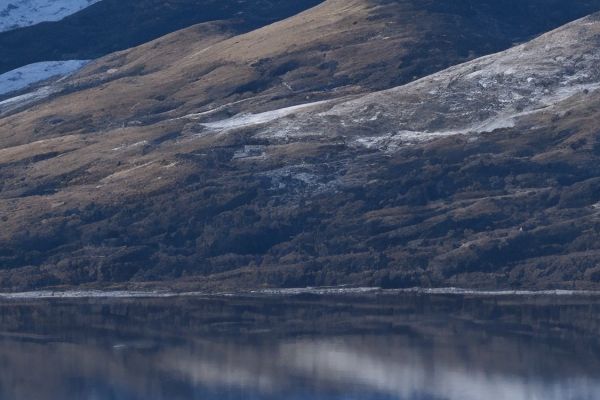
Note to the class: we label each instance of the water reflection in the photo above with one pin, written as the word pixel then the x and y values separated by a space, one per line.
pixel 68 354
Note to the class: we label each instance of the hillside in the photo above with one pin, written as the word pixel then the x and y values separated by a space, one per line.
pixel 207 159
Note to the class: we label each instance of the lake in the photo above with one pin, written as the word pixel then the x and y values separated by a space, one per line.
pixel 374 345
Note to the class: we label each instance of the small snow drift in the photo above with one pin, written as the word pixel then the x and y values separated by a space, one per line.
pixel 20 13
pixel 23 77
pixel 247 120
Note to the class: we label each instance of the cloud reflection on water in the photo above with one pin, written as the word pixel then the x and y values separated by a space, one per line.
pixel 391 367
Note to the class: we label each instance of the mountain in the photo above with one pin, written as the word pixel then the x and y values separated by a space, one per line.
pixel 312 56
pixel 21 13
pixel 77 30
pixel 454 32
pixel 350 144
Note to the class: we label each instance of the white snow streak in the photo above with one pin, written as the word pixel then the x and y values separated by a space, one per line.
pixel 82 294
pixel 245 120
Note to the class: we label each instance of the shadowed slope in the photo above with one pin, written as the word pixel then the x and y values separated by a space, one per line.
pixel 112 25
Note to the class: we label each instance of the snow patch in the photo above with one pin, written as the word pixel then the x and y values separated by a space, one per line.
pixel 23 77
pixel 425 291
pixel 16 102
pixel 126 172
pixel 131 146
pixel 335 290
pixel 91 294
pixel 391 142
pixel 317 290
pixel 250 152
pixel 246 120
pixel 21 13
pixel 498 293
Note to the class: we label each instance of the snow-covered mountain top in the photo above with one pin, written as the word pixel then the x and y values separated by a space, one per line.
pixel 485 94
pixel 19 13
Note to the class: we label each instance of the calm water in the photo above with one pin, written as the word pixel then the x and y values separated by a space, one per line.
pixel 409 347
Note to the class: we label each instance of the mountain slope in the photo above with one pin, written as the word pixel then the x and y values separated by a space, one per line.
pixel 150 177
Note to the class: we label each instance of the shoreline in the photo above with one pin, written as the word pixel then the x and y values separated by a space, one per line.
pixel 319 291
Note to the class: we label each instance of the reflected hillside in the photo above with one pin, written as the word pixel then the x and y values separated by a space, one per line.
pixel 301 347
